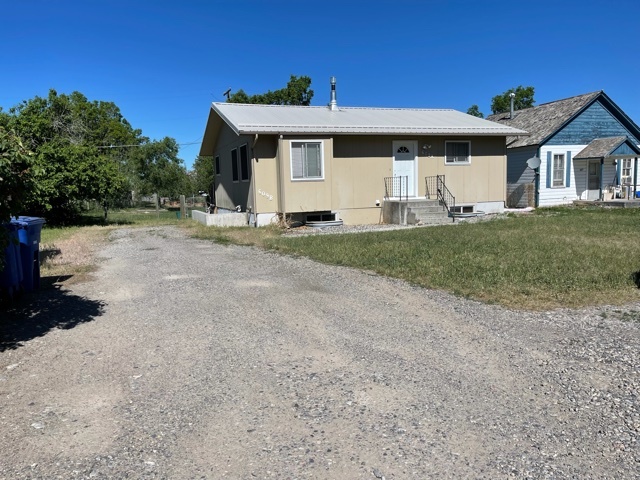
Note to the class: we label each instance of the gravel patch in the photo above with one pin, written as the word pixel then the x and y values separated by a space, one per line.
pixel 306 230
pixel 187 359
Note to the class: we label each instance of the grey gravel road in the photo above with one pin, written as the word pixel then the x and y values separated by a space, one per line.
pixel 185 359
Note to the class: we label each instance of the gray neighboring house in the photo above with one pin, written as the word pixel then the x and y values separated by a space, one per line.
pixel 587 145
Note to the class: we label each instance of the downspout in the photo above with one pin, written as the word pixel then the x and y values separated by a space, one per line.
pixel 254 160
pixel 280 173
pixel 601 175
pixel 536 183
pixel 635 177
pixel 214 201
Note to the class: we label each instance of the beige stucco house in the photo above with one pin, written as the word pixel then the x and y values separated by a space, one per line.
pixel 326 163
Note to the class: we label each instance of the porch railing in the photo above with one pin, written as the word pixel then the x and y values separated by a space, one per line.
pixel 396 187
pixel 436 188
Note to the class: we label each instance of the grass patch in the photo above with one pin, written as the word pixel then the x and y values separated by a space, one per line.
pixel 560 257
pixel 67 253
pixel 260 237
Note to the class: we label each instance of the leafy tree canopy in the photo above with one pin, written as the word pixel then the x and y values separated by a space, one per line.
pixel 475 111
pixel 297 92
pixel 203 174
pixel 85 150
pixel 16 180
pixel 159 170
pixel 523 99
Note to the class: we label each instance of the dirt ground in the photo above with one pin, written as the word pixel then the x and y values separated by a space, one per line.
pixel 186 359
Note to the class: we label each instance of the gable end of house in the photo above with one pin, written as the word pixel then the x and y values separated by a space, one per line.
pixel 597 120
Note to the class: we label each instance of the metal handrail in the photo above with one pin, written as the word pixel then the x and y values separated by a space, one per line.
pixel 435 186
pixel 431 187
pixel 396 187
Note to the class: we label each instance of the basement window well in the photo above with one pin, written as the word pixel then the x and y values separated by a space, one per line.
pixel 320 217
pixel 463 209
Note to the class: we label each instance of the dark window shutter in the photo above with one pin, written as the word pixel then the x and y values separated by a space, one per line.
pixel 567 167
pixel 549 169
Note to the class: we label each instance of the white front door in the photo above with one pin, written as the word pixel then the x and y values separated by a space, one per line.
pixel 404 164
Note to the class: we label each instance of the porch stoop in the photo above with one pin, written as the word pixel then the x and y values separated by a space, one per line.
pixel 415 212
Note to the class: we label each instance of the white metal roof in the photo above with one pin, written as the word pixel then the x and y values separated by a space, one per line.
pixel 275 119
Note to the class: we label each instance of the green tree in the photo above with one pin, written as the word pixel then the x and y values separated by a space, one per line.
pixel 523 99
pixel 203 174
pixel 159 170
pixel 86 150
pixel 297 92
pixel 67 133
pixel 16 181
pixel 475 111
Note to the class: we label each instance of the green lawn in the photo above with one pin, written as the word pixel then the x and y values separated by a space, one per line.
pixel 556 257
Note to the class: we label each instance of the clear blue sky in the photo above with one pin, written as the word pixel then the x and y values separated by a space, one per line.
pixel 163 62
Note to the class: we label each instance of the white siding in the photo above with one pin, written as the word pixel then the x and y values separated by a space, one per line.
pixel 579 176
pixel 559 195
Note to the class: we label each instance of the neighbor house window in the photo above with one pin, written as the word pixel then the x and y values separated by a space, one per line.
pixel 626 170
pixel 306 160
pixel 457 153
pixel 558 170
pixel 244 164
pixel 217 165
pixel 234 164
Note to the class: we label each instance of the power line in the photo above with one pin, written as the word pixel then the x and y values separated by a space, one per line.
pixel 143 144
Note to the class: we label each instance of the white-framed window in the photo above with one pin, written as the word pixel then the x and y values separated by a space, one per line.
pixel 625 170
pixel 244 163
pixel 307 160
pixel 558 170
pixel 457 153
pixel 234 164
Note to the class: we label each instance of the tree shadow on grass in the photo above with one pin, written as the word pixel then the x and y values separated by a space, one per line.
pixel 34 315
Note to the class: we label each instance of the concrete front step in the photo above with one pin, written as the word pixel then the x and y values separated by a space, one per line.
pixel 421 210
pixel 426 212
pixel 432 219
pixel 415 211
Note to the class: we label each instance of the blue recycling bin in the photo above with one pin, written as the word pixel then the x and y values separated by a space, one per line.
pixel 11 278
pixel 29 229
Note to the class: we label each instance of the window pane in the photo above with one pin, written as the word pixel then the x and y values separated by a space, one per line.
pixel 457 152
pixel 306 160
pixel 244 163
pixel 217 170
pixel 234 164
pixel 313 161
pixel 296 160
pixel 558 170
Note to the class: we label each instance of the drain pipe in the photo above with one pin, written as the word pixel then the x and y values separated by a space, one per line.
pixel 254 160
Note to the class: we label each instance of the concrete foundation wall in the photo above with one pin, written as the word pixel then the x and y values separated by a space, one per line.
pixel 220 219
pixel 490 207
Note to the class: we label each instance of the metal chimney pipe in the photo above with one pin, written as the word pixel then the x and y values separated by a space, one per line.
pixel 513 96
pixel 333 105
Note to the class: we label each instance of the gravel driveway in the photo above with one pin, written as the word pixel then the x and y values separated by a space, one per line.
pixel 186 359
